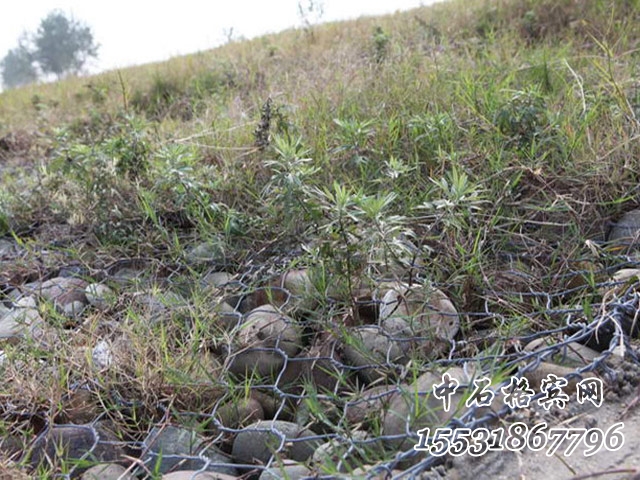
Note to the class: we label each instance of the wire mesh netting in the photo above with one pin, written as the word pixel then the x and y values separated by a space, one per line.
pixel 335 383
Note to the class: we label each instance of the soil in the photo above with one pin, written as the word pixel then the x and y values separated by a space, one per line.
pixel 621 404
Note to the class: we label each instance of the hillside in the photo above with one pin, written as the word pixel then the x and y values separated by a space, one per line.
pixel 310 227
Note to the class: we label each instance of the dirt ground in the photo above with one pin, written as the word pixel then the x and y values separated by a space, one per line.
pixel 621 404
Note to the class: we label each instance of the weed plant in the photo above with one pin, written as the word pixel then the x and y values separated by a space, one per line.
pixel 482 145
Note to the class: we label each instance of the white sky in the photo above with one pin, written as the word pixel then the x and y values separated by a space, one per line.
pixel 141 31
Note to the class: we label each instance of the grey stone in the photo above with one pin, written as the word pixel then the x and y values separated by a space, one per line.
pixel 573 354
pixel 216 279
pixel 206 252
pixel 286 472
pixel 65 293
pixel 73 309
pixel 130 271
pixel 223 314
pixel 537 375
pixel 259 441
pixel 22 323
pixel 7 248
pixel 158 306
pixel 252 361
pixel 26 302
pixel 366 408
pixel 63 290
pixel 172 447
pixel 266 327
pixel 14 295
pixel 101 354
pixel 293 291
pixel 323 364
pixel 197 475
pixel 69 444
pixel 117 353
pixel 19 321
pixel 107 471
pixel 339 454
pixel 31 288
pixel 100 296
pixel 73 271
pixel 239 412
pixel 626 231
pixel 415 407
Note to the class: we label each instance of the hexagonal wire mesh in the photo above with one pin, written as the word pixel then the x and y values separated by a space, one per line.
pixel 312 392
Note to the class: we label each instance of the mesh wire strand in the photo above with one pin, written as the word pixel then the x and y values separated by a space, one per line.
pixel 619 310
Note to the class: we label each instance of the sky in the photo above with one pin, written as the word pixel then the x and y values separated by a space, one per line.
pixel 140 31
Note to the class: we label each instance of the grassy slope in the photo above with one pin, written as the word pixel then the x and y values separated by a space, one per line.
pixel 499 135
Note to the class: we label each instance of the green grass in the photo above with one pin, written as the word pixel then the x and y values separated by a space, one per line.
pixel 461 137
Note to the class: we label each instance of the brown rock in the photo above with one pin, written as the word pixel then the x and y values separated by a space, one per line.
pixel 416 407
pixel 367 407
pixel 299 285
pixel 375 353
pixel 536 376
pixel 263 341
pixel 323 365
pixel 216 279
pixel 270 403
pixel 292 291
pixel 266 327
pixel 240 413
pixel 226 317
pixel 64 292
pixel 79 406
pixel 427 311
pixel 252 361
pixel 572 354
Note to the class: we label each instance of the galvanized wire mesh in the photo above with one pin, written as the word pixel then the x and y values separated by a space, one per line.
pixel 608 324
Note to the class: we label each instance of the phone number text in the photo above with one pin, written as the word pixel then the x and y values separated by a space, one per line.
pixel 517 437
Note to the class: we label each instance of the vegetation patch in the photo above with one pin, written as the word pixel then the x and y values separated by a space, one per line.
pixel 263 257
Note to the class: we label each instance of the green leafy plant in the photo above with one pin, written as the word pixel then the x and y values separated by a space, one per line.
pixel 432 133
pixel 456 199
pixel 292 171
pixel 380 44
pixel 164 98
pixel 524 119
pixel 354 137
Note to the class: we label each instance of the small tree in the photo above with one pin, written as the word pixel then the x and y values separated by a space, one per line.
pixel 63 45
pixel 17 67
